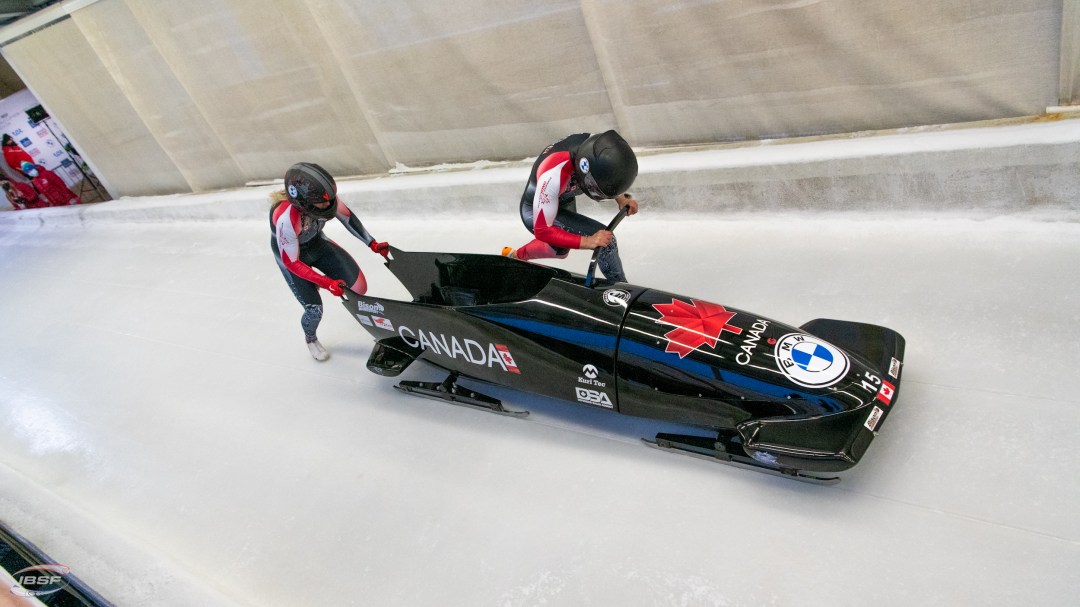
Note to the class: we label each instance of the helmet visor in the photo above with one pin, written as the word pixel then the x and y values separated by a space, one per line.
pixel 324 208
pixel 592 189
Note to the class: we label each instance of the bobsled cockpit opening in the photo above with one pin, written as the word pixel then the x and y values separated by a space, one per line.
pixel 456 279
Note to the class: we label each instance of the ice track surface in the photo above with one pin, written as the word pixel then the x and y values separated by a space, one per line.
pixel 164 432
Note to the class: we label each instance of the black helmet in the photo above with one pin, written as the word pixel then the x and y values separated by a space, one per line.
pixel 605 165
pixel 308 184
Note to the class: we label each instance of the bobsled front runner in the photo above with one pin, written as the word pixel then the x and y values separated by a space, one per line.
pixel 799 401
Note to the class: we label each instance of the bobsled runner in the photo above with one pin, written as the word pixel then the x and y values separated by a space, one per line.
pixel 802 402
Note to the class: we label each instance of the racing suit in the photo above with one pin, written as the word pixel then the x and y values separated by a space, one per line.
pixel 300 248
pixel 549 210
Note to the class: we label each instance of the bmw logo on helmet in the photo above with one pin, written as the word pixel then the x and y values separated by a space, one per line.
pixel 292 191
pixel 583 164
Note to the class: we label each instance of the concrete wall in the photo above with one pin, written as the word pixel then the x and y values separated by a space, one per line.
pixel 1026 169
pixel 191 96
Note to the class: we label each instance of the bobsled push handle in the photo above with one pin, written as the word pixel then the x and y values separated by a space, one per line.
pixel 596 252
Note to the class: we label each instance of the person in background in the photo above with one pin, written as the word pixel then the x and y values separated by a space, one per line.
pixel 14 155
pixel 601 166
pixel 18 202
pixel 22 195
pixel 49 185
pixel 297 217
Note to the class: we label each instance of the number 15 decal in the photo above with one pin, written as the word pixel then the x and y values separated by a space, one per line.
pixel 875 385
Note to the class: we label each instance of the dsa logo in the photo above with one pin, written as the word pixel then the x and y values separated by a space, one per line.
pixel 39 580
pixel 594 397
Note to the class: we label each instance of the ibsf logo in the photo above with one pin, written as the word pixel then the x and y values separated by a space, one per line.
pixel 39 580
pixel 594 397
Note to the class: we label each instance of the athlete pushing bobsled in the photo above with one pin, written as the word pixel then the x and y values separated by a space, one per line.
pixel 297 217
pixel 601 166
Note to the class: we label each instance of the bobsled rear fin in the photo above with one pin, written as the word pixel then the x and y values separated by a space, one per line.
pixel 460 279
pixel 879 346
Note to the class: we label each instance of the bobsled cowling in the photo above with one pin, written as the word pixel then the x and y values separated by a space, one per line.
pixel 788 398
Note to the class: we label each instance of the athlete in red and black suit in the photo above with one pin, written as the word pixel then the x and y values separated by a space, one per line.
pixel 297 218
pixel 600 166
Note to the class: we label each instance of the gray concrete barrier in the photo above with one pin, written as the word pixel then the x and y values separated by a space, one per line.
pixel 1030 167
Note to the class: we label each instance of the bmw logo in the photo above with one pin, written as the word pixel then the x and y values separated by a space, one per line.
pixel 583 164
pixel 292 191
pixel 809 361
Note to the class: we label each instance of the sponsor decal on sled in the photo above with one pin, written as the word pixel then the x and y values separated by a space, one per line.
pixel 617 297
pixel 370 308
pixel 808 361
pixel 591 373
pixel 594 397
pixel 469 350
pixel 886 393
pixel 364 319
pixel 383 323
pixel 894 368
pixel 874 418
pixel 697 323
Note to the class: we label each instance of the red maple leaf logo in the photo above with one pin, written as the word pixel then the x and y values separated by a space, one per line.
pixel 697 323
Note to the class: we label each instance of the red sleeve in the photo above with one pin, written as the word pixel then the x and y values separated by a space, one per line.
pixel 287 229
pixel 552 178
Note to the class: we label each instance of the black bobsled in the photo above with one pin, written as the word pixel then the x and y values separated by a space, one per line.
pixel 798 401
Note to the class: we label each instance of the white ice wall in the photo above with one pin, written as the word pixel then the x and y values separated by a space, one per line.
pixel 1025 167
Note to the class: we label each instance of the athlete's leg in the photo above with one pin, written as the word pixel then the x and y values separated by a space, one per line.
pixel 538 249
pixel 608 259
pixel 306 292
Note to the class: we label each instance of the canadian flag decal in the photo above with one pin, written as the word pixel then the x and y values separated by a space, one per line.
pixel 886 393
pixel 507 358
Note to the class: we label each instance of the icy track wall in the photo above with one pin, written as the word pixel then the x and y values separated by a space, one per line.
pixel 1030 169
pixel 193 96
